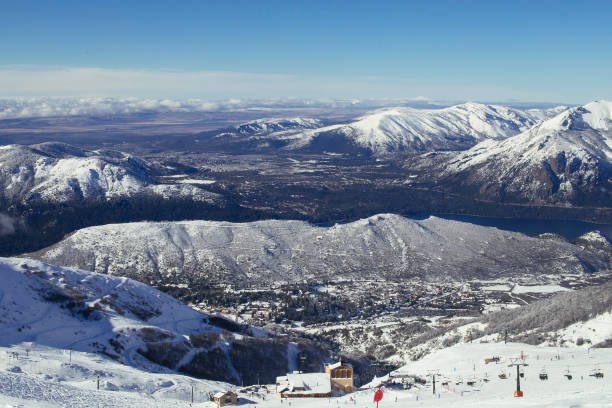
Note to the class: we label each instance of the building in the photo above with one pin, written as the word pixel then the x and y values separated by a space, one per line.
pixel 224 398
pixel 341 376
pixel 304 385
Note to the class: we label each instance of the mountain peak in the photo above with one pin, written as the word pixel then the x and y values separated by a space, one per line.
pixel 595 115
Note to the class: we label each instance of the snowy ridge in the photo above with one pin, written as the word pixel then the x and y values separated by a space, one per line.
pixel 418 130
pixel 58 173
pixel 382 246
pixel 264 126
pixel 556 160
pixel 133 324
pixel 106 322
pixel 67 308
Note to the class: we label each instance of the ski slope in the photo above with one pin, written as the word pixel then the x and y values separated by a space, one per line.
pixel 46 378
pixel 51 377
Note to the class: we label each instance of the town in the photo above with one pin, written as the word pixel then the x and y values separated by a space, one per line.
pixel 326 303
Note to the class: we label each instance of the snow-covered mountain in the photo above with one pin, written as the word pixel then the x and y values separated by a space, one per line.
pixel 404 129
pixel 266 126
pixel 567 158
pixel 134 324
pixel 383 246
pixel 56 172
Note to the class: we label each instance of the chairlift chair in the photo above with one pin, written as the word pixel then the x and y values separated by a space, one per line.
pixel 543 375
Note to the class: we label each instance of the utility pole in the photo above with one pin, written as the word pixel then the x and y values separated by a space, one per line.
pixel 505 336
pixel 192 394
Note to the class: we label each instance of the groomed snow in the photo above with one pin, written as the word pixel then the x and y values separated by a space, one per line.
pixel 47 379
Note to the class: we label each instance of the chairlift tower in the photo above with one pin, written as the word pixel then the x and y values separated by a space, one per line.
pixel 432 374
pixel 518 362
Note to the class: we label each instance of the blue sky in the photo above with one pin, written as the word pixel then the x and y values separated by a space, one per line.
pixel 445 50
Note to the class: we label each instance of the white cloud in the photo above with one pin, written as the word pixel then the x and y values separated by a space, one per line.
pixel 43 107
pixel 37 91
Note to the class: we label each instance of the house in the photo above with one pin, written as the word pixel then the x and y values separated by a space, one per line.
pixel 304 385
pixel 224 398
pixel 341 376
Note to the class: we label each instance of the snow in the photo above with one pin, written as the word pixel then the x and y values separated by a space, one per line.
pixel 74 385
pixel 599 115
pixel 593 331
pixel 39 370
pixel 545 140
pixel 596 115
pixel 52 350
pixel 538 289
pixel 466 361
pixel 274 250
pixel 29 316
pixel 28 173
pixel 394 129
pixel 552 161
pixel 196 181
pixel 305 383
pixel 268 125
pixel 495 288
pixel 50 379
pixel 408 129
pixel 594 237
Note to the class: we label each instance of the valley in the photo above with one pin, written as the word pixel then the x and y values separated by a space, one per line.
pixel 226 248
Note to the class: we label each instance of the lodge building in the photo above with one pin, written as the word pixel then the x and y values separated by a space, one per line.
pixel 337 377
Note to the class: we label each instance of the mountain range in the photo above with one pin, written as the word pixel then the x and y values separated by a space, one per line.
pixel 57 173
pixel 565 159
pixel 385 131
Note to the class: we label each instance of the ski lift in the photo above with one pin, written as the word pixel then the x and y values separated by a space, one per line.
pixel 486 378
pixel 502 376
pixel 567 374
pixel 471 382
pixel 459 381
pixel 597 373
pixel 543 374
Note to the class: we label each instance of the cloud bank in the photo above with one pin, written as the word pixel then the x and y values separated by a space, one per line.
pixel 14 108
